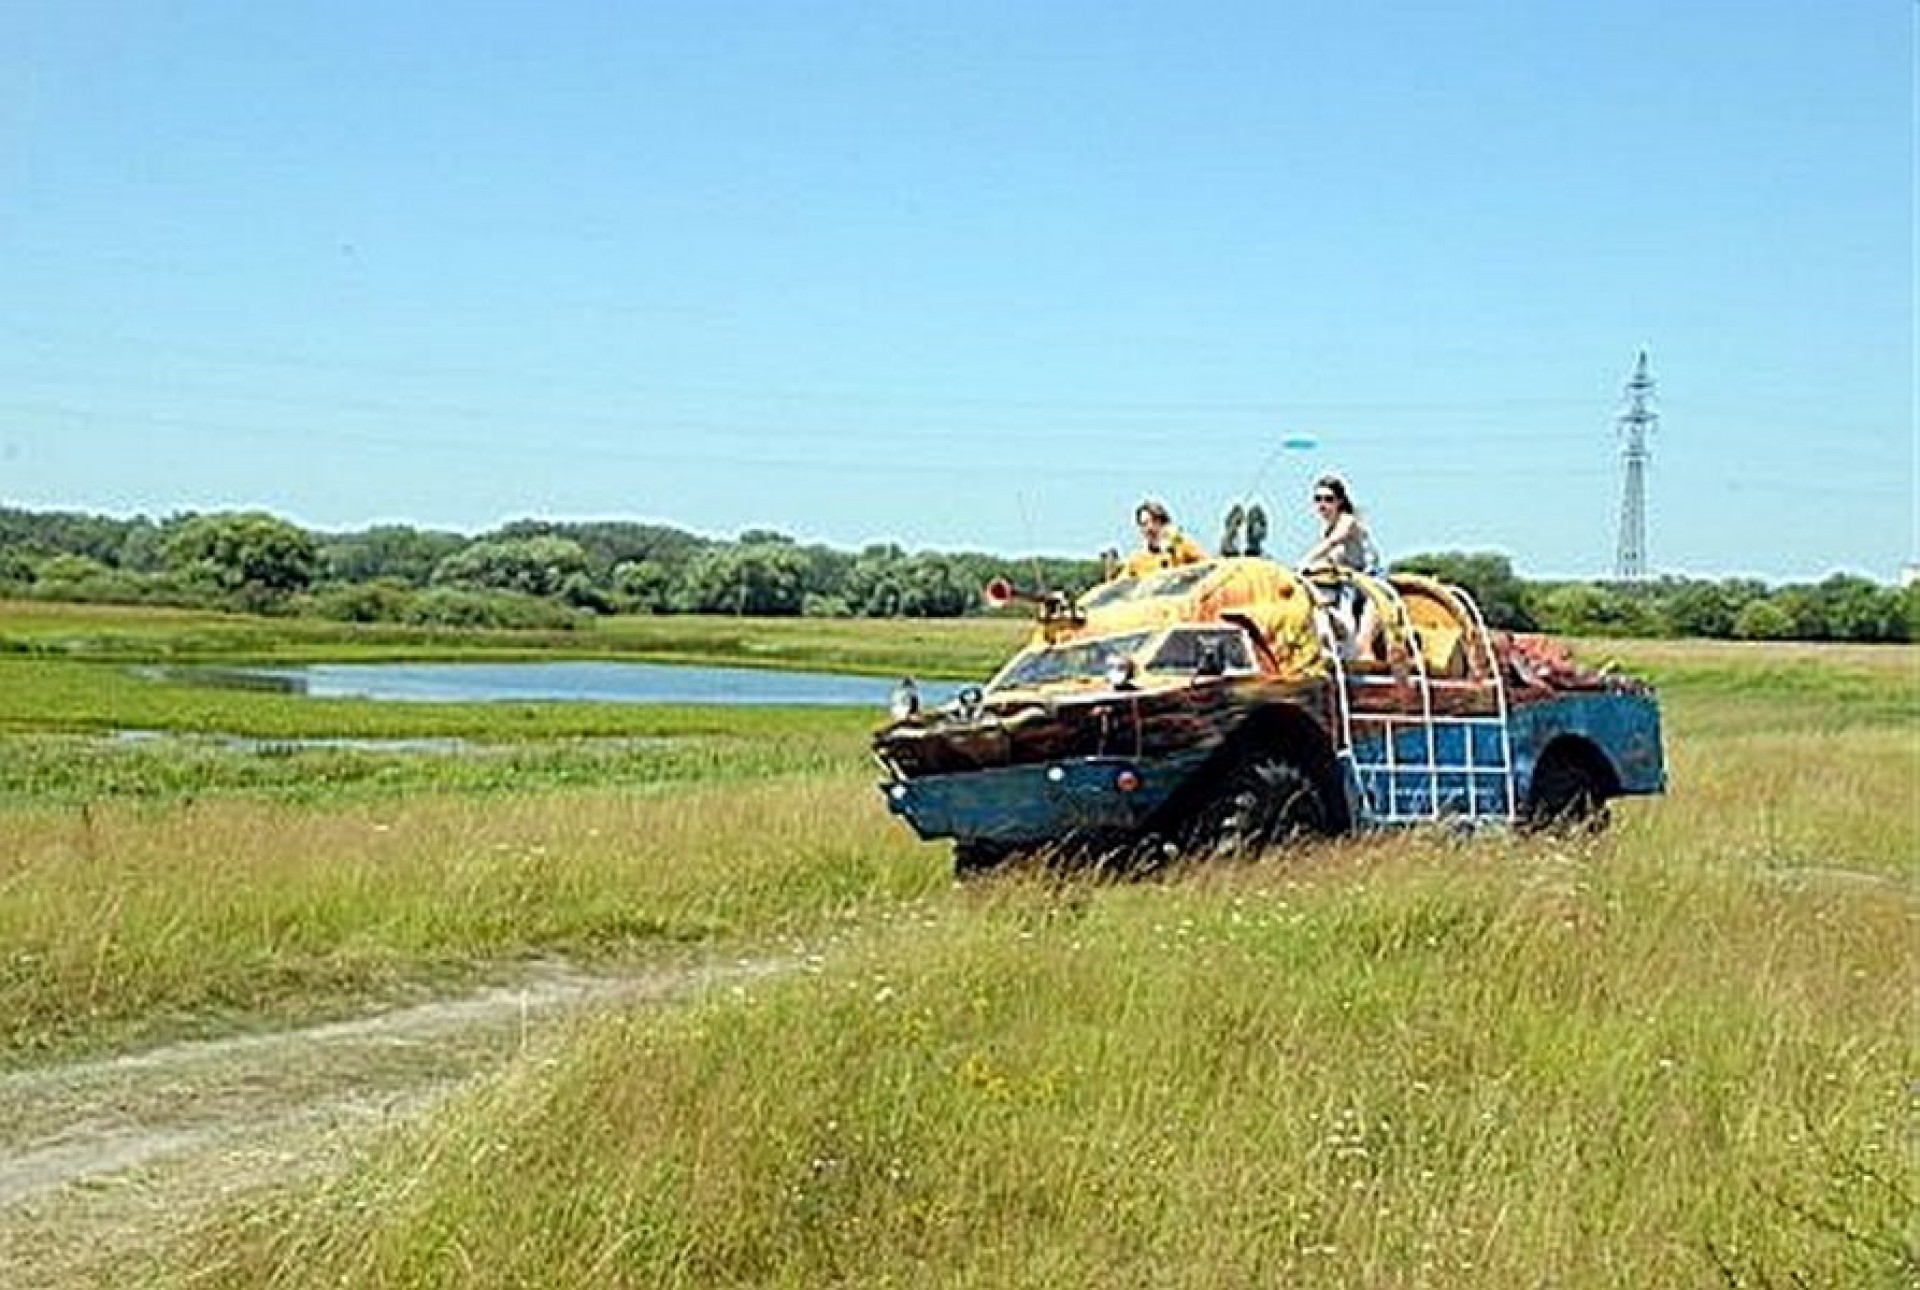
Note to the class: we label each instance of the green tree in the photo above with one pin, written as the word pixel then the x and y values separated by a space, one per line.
pixel 533 566
pixel 1590 609
pixel 1487 576
pixel 937 586
pixel 827 573
pixel 765 579
pixel 15 569
pixel 876 582
pixel 1806 611
pixel 1763 620
pixel 582 592
pixel 1858 609
pixel 643 587
pixel 1701 609
pixel 391 551
pixel 815 605
pixel 142 548
pixel 610 543
pixel 254 560
pixel 68 572
pixel 43 533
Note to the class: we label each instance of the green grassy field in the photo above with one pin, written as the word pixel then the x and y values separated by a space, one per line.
pixel 962 649
pixel 1680 1053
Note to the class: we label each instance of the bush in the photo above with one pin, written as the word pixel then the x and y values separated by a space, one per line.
pixel 816 606
pixel 1762 620
pixel 454 607
pixel 15 569
pixel 384 601
pixel 1589 609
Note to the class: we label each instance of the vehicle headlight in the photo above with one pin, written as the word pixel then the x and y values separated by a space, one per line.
pixel 967 703
pixel 1119 670
pixel 905 701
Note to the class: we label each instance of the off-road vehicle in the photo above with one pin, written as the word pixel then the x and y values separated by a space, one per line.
pixel 1220 707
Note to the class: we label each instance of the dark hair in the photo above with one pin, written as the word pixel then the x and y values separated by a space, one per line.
pixel 1153 509
pixel 1335 485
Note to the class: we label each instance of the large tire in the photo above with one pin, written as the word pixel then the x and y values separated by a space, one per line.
pixel 1263 800
pixel 1567 796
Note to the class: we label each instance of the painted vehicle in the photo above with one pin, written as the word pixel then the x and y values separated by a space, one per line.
pixel 1219 707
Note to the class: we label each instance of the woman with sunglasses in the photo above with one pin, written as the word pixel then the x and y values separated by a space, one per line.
pixel 1346 546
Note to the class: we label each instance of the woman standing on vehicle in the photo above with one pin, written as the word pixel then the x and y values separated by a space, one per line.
pixel 1347 547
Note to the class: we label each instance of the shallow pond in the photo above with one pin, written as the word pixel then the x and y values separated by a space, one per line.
pixel 572 681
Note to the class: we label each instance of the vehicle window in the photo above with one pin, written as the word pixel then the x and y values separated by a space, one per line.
pixel 1184 649
pixel 1077 659
pixel 1175 582
pixel 1169 582
pixel 1111 593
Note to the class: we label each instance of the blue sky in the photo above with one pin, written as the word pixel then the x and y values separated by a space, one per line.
pixel 972 275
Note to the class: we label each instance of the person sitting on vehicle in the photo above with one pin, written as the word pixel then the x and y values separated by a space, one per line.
pixel 1346 548
pixel 1162 546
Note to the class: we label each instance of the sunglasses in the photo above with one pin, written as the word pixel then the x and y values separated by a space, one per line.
pixel 1325 497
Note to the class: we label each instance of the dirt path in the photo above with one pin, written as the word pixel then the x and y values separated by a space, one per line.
pixel 101 1159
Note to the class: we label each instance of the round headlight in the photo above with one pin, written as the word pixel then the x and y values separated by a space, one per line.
pixel 967 703
pixel 1119 671
pixel 905 701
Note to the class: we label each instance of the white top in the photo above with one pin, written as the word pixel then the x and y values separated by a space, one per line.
pixel 1344 545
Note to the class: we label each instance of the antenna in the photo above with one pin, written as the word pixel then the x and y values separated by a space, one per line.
pixel 1026 522
pixel 1247 511
pixel 1295 442
pixel 1630 564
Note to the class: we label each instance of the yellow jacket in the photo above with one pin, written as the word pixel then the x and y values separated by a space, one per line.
pixel 1176 548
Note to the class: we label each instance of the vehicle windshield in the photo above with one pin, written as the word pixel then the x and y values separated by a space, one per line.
pixel 1171 582
pixel 1076 660
pixel 1202 649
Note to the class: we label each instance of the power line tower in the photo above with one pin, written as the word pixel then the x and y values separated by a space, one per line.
pixel 1631 563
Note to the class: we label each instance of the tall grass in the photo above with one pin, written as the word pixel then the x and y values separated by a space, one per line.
pixel 1407 1063
pixel 124 923
pixel 41 771
pixel 1677 1054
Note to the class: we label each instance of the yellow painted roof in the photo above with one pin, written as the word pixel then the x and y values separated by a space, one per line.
pixel 1269 598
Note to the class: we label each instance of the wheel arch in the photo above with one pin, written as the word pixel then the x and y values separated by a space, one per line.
pixel 1291 731
pixel 1569 748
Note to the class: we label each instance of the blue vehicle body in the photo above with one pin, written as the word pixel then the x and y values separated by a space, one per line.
pixel 1020 805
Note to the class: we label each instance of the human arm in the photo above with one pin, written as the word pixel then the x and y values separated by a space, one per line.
pixel 1330 543
pixel 1184 550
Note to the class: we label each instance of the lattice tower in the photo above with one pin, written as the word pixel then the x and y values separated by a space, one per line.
pixel 1630 564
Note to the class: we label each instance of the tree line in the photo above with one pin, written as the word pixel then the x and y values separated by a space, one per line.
pixel 536 573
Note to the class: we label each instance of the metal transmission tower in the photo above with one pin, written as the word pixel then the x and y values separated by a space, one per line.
pixel 1635 422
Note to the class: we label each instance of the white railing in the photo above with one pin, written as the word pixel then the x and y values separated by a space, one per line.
pixel 1390 785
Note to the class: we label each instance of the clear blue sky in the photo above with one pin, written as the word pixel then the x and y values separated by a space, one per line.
pixel 972 275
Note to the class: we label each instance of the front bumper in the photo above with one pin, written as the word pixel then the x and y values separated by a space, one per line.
pixel 1042 801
